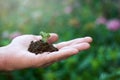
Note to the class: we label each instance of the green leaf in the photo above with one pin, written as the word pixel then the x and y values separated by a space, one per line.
pixel 45 36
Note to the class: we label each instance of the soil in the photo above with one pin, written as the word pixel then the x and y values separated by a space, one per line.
pixel 39 47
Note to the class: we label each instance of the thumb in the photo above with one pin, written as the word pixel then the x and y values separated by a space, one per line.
pixel 53 38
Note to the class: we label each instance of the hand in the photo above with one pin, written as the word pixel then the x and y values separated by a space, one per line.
pixel 16 55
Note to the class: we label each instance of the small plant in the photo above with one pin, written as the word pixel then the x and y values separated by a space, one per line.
pixel 45 36
pixel 42 45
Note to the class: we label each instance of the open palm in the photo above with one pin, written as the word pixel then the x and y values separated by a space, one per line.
pixel 18 56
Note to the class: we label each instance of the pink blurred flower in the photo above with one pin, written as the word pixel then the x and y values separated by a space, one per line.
pixel 14 34
pixel 113 24
pixel 101 20
pixel 68 9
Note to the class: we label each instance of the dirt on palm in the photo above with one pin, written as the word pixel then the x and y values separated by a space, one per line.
pixel 40 46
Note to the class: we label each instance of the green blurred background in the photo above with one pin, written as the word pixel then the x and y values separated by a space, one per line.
pixel 70 19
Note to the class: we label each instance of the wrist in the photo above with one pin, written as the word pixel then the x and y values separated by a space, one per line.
pixel 3 52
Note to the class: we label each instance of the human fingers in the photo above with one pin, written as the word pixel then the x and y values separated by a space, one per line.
pixel 75 41
pixel 79 47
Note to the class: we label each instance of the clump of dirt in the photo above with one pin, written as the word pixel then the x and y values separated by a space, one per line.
pixel 40 46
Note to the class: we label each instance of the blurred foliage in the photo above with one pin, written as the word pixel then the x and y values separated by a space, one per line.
pixel 69 19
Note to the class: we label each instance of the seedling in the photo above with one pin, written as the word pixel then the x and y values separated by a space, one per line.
pixel 45 36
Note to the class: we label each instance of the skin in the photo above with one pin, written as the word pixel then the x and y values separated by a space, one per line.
pixel 15 56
